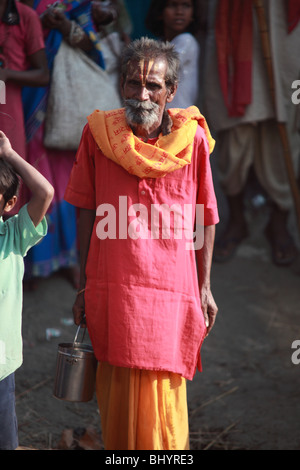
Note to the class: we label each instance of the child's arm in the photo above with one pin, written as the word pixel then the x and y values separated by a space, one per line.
pixel 41 189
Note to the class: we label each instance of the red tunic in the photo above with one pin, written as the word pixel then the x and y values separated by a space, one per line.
pixel 142 297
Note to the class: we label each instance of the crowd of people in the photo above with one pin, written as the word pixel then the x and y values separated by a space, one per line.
pixel 159 62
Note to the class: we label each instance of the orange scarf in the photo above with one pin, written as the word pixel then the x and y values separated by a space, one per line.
pixel 171 152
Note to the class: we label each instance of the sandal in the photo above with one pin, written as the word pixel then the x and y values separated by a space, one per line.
pixel 283 250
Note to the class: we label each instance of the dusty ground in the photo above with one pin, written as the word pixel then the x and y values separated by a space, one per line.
pixel 248 394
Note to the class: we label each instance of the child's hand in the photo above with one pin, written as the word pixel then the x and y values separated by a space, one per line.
pixel 5 147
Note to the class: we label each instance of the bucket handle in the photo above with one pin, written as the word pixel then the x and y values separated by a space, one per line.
pixel 73 356
pixel 76 335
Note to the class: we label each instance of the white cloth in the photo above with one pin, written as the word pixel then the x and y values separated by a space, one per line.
pixel 189 53
pixel 245 140
pixel 111 47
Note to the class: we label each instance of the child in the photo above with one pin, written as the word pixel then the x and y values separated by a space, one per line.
pixel 175 21
pixel 17 235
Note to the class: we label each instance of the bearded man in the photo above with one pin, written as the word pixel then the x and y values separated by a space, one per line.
pixel 140 175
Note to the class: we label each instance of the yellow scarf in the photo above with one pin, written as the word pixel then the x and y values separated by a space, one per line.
pixel 170 152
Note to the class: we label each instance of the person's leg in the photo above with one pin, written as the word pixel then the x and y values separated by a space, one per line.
pixel 8 418
pixel 236 154
pixel 142 410
pixel 272 174
pixel 283 247
pixel 162 419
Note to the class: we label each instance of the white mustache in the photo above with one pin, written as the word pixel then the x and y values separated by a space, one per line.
pixel 141 105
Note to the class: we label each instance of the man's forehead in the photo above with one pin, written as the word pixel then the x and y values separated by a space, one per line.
pixel 146 67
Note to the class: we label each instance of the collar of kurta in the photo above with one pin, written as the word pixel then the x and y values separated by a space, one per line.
pixel 171 152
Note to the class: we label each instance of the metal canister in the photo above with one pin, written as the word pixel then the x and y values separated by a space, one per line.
pixel 75 372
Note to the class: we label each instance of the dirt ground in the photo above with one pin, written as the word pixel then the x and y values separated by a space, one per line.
pixel 246 398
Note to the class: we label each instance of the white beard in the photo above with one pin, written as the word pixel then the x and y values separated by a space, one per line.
pixel 141 113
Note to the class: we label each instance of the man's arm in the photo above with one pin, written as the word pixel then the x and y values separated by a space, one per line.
pixel 41 190
pixel 85 228
pixel 204 262
pixel 37 75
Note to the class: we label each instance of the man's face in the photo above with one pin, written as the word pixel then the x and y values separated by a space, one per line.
pixel 145 93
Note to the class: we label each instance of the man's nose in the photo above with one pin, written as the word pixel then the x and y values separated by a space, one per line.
pixel 143 94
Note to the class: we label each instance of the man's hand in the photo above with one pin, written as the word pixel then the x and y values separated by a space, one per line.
pixel 54 18
pixel 209 308
pixel 79 310
pixel 104 14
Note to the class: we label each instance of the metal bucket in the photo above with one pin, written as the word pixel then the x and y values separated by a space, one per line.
pixel 75 371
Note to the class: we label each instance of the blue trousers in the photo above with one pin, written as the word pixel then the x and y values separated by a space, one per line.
pixel 8 417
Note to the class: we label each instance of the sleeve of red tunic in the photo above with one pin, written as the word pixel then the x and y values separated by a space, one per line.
pixel 32 27
pixel 80 191
pixel 206 193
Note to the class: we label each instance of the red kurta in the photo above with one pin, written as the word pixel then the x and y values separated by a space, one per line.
pixel 142 297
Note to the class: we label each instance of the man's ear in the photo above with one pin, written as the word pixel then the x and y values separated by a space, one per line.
pixel 122 87
pixel 172 93
pixel 10 204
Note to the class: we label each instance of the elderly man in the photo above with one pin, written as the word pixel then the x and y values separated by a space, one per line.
pixel 140 175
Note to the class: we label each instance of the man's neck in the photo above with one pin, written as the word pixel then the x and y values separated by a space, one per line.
pixel 144 134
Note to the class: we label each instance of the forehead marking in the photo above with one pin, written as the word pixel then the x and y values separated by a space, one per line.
pixel 145 68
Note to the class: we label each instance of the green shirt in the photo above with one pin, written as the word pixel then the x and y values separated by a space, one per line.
pixel 17 235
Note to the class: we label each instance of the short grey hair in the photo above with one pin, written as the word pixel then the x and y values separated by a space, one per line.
pixel 144 48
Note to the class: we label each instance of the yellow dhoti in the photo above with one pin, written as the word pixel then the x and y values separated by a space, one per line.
pixel 142 409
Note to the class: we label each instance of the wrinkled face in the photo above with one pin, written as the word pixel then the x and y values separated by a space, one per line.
pixel 145 93
pixel 177 16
